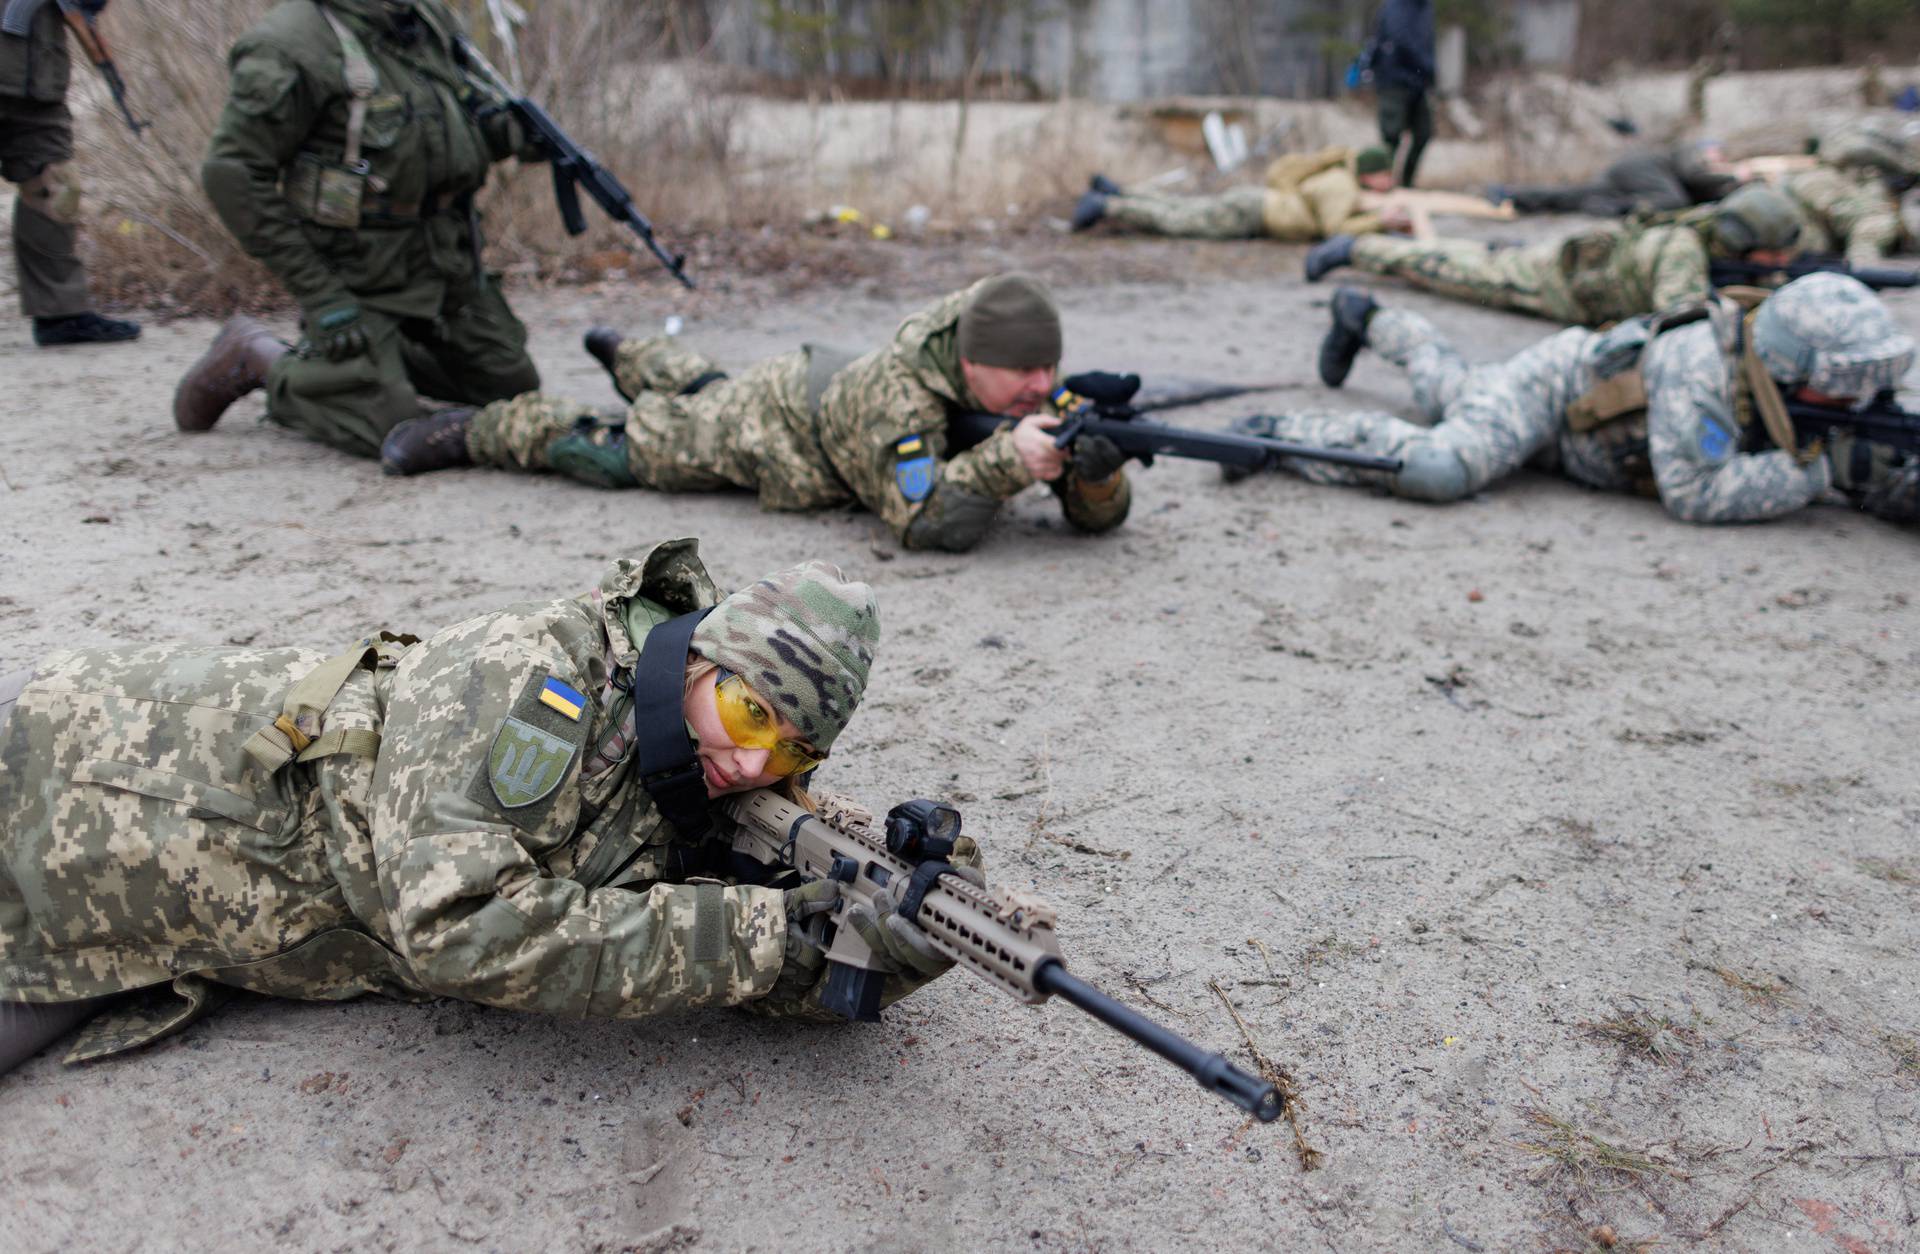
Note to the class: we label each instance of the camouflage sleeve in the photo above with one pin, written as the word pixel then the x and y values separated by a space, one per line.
pixel 1868 218
pixel 888 441
pixel 476 785
pixel 1694 443
pixel 270 111
pixel 1679 268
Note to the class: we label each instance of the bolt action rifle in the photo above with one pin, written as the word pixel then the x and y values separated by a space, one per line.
pixel 573 166
pixel 81 16
pixel 1100 403
pixel 1883 421
pixel 1724 272
pixel 1003 935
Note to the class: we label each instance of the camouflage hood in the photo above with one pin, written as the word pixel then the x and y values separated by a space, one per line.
pixel 804 638
pixel 669 573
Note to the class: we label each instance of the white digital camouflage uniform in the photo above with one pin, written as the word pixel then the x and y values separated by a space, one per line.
pixel 142 846
pixel 1688 445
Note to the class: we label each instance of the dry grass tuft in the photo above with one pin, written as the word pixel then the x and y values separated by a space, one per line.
pixel 1890 871
pixel 1758 992
pixel 1643 1034
pixel 1580 1157
pixel 1905 1050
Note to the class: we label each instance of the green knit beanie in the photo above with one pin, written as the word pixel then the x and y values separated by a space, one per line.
pixel 802 638
pixel 1009 321
pixel 1372 159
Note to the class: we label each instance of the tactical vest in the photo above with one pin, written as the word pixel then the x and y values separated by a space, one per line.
pixel 1759 409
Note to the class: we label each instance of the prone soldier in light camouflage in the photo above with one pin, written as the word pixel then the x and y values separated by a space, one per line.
pixel 1610 273
pixel 818 427
pixel 1687 406
pixel 1304 197
pixel 464 816
pixel 1850 202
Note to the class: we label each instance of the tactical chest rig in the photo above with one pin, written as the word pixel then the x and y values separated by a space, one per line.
pixel 1759 409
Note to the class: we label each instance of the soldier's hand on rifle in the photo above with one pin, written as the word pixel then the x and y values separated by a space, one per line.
pixel 1033 441
pixel 803 961
pixel 1096 458
pixel 335 330
pixel 896 940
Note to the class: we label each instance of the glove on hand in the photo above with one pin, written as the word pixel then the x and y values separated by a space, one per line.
pixel 803 961
pixel 1095 458
pixel 903 944
pixel 335 330
pixel 1103 386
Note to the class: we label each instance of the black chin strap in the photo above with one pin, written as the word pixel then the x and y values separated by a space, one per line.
pixel 664 756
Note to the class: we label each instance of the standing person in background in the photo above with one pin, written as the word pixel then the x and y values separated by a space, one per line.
pixel 36 149
pixel 1401 59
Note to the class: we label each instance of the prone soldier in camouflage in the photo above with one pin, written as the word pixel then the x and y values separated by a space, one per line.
pixel 1659 180
pixel 347 159
pixel 1850 202
pixel 1687 406
pixel 36 152
pixel 1305 197
pixel 456 817
pixel 818 427
pixel 1594 278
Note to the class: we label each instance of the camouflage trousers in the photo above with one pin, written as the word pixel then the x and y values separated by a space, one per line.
pixel 1527 279
pixel 735 432
pixel 1489 420
pixel 1233 214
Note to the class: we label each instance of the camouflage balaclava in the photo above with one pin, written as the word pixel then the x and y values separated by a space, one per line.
pixel 804 639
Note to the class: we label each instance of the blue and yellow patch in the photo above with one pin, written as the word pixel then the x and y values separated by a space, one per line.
pixel 559 696
pixel 914 471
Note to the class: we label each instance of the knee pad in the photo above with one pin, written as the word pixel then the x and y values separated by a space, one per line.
pixel 1432 473
pixel 54 193
pixel 952 519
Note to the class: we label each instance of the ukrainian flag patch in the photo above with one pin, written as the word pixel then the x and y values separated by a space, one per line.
pixel 562 698
pixel 913 472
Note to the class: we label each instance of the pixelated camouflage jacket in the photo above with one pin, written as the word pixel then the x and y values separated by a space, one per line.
pixel 891 406
pixel 1622 270
pixel 422 141
pixel 1696 445
pixel 475 856
pixel 1847 211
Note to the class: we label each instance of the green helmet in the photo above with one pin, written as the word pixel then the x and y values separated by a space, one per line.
pixel 1755 216
pixel 804 639
pixel 1830 333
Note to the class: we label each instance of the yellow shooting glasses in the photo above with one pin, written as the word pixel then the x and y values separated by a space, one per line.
pixel 751 725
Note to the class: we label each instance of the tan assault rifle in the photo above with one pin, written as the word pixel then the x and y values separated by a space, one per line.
pixel 1003 935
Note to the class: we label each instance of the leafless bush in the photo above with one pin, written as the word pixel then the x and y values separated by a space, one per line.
pixel 155 241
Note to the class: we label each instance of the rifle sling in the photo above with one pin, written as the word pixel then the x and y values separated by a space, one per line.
pixel 1755 387
pixel 665 760
pixel 362 81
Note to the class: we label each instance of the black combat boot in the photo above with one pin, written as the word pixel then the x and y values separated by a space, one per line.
pixel 1352 309
pixel 235 365
pixel 1104 185
pixel 436 441
pixel 83 328
pixel 603 345
pixel 1329 254
pixel 1091 208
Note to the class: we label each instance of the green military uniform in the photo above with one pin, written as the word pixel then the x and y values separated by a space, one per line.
pixel 1846 210
pixel 453 817
pixel 278 172
pixel 1305 196
pixel 1596 277
pixel 809 429
pixel 36 145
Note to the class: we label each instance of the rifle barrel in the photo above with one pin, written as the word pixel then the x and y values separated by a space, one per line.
pixel 1215 1074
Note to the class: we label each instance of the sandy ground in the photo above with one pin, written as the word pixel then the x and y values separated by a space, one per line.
pixel 1562 853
